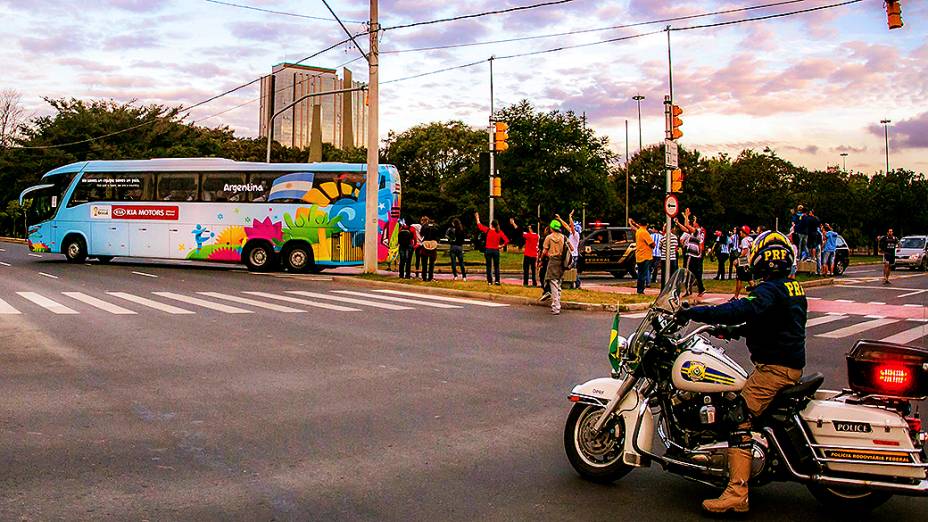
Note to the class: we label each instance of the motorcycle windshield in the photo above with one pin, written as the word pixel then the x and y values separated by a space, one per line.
pixel 679 289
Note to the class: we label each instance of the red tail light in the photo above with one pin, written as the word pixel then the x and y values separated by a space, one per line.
pixel 893 376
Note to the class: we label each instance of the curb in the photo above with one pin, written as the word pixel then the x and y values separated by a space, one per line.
pixel 819 282
pixel 509 299
pixel 13 240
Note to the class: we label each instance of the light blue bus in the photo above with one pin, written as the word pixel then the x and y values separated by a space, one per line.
pixel 297 216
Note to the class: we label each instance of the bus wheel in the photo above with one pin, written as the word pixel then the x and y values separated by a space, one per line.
pixel 258 257
pixel 298 258
pixel 75 250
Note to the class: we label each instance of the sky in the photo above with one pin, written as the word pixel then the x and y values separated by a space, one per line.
pixel 810 86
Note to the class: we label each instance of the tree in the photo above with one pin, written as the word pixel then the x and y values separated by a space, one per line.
pixel 12 117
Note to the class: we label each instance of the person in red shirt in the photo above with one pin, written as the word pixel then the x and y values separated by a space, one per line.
pixel 529 253
pixel 496 240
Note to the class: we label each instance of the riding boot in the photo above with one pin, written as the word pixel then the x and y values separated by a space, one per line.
pixel 735 496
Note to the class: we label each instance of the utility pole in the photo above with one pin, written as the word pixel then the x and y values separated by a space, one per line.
pixel 492 131
pixel 626 172
pixel 638 99
pixel 371 208
pixel 844 157
pixel 886 135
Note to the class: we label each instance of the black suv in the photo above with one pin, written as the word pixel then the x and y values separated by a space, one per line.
pixel 607 249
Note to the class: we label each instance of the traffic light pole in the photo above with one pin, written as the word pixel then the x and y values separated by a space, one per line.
pixel 492 135
pixel 665 273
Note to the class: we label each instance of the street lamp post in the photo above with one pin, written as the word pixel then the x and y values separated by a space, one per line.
pixel 270 120
pixel 844 158
pixel 638 99
pixel 886 136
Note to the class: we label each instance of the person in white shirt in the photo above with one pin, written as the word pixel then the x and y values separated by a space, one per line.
pixel 657 263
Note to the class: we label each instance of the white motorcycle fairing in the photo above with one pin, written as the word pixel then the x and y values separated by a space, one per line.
pixel 634 412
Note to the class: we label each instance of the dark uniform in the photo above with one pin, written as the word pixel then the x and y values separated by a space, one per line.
pixel 775 333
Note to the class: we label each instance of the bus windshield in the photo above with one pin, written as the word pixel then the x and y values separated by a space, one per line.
pixel 42 201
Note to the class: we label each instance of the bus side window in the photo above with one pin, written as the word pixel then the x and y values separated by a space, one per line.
pixel 177 186
pixel 223 187
pixel 264 180
pixel 92 187
pixel 133 187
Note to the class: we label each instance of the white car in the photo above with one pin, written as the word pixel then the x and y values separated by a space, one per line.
pixel 912 252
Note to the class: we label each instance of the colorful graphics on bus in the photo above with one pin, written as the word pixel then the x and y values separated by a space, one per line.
pixel 324 209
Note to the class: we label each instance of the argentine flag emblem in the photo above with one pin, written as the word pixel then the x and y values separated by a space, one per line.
pixel 291 186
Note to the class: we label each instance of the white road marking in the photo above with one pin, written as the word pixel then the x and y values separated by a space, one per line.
pixel 4 264
pixel 875 316
pixel 47 303
pixel 835 313
pixel 857 328
pixel 351 300
pixel 219 307
pixel 252 302
pixel 398 299
pixel 34 255
pixel 48 275
pixel 824 319
pixel 876 303
pixel 6 309
pixel 918 320
pixel 843 301
pixel 912 293
pixel 909 335
pixel 306 302
pixel 144 274
pixel 102 305
pixel 2 250
pixel 913 305
pixel 809 298
pixel 459 300
pixel 638 315
pixel 151 304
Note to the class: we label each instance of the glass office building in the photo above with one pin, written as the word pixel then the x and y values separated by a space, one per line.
pixel 338 119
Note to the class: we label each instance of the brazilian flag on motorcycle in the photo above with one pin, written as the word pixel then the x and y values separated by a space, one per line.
pixel 615 355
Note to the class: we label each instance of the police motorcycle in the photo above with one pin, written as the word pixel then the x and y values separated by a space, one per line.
pixel 674 386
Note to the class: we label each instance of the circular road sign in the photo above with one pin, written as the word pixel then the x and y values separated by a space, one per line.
pixel 671 205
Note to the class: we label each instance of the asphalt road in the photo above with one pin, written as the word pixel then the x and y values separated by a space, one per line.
pixel 121 408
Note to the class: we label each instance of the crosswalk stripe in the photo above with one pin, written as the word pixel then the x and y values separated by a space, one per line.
pixel 824 319
pixel 151 304
pixel 102 305
pixel 398 299
pixel 219 307
pixel 460 300
pixel 48 304
pixel 6 309
pixel 297 300
pixel 351 300
pixel 909 335
pixel 252 302
pixel 857 328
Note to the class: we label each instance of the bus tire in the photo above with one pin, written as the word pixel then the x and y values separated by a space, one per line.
pixel 75 249
pixel 297 257
pixel 259 256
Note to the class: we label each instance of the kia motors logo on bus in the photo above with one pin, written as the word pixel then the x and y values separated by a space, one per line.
pixel 145 212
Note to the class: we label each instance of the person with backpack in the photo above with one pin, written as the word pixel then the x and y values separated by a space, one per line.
pixel 495 240
pixel 541 264
pixel 404 240
pixel 456 238
pixel 560 257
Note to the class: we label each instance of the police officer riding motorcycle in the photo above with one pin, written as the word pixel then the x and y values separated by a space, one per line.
pixel 718 425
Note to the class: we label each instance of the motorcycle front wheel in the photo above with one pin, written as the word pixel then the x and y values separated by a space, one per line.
pixel 849 500
pixel 596 457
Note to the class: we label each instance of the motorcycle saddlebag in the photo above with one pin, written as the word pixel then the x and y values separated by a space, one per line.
pixel 894 370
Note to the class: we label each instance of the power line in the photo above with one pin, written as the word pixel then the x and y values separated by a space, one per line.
pixel 477 15
pixel 766 17
pixel 283 13
pixel 181 109
pixel 598 29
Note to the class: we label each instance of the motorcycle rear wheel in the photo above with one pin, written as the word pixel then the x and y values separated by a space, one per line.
pixel 597 458
pixel 849 500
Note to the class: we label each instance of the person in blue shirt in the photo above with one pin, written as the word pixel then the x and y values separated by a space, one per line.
pixel 773 319
pixel 828 250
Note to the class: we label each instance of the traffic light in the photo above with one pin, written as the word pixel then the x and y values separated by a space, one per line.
pixel 500 136
pixel 496 187
pixel 894 14
pixel 676 180
pixel 675 122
